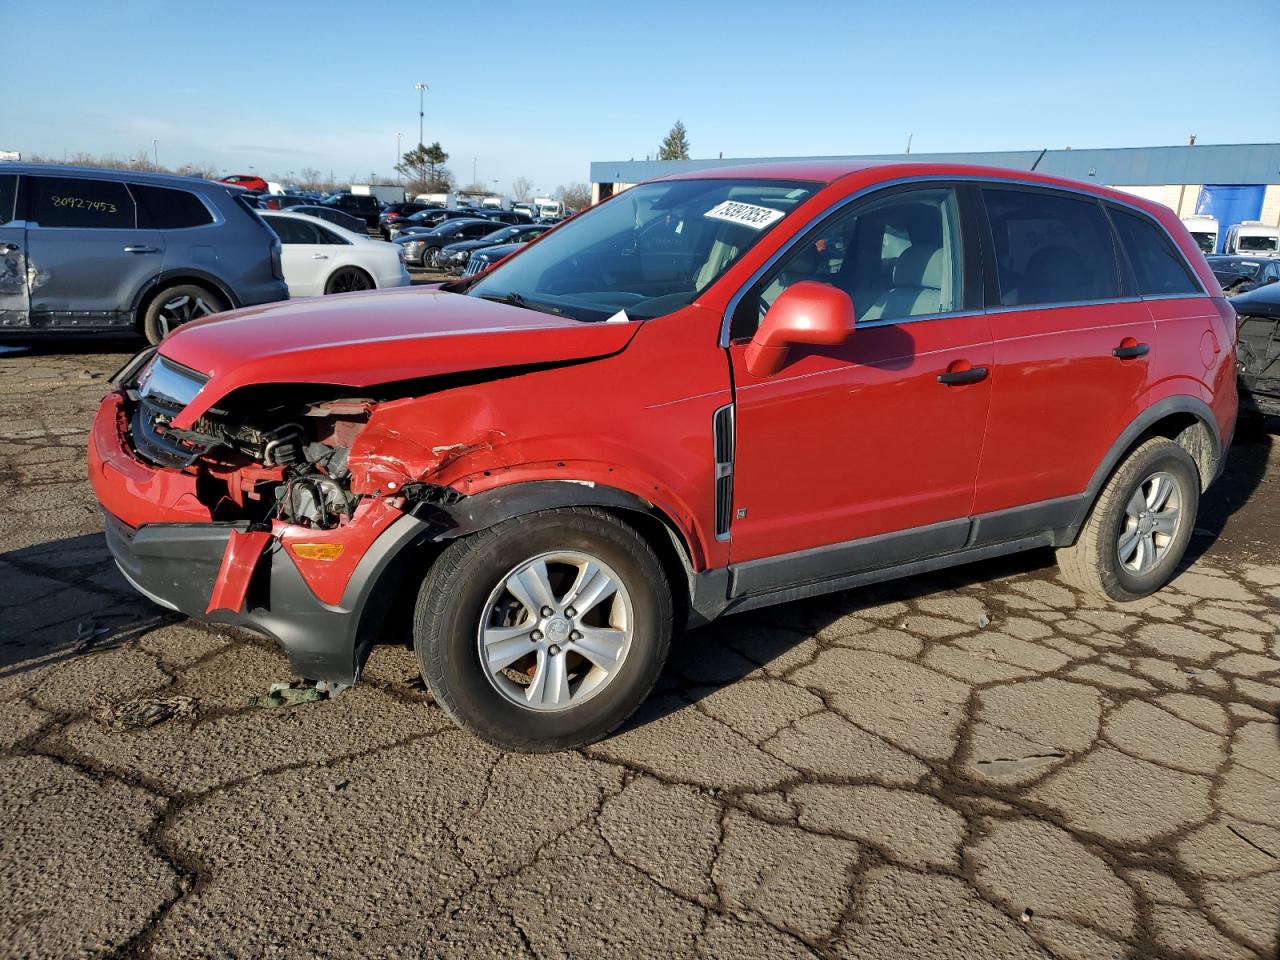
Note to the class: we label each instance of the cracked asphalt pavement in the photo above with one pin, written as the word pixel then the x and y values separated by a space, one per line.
pixel 981 763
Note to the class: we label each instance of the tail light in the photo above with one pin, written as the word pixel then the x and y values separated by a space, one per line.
pixel 277 268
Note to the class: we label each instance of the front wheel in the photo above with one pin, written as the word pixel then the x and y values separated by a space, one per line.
pixel 544 632
pixel 1139 527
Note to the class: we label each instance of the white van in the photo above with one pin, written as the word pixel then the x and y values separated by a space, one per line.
pixel 1252 238
pixel 1203 230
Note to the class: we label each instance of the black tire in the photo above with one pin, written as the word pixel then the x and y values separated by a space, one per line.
pixel 454 597
pixel 430 256
pixel 176 305
pixel 1092 564
pixel 349 280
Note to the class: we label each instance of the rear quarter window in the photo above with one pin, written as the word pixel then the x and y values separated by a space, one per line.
pixel 1050 248
pixel 80 202
pixel 162 208
pixel 1158 268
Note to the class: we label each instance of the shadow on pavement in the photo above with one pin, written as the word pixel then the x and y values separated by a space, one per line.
pixel 1233 492
pixel 69 600
pixel 64 344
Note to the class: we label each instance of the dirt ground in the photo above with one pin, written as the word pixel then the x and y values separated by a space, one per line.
pixel 981 764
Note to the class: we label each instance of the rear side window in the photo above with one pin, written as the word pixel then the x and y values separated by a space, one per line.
pixel 76 202
pixel 1050 248
pixel 160 208
pixel 294 231
pixel 1158 269
pixel 326 235
pixel 8 188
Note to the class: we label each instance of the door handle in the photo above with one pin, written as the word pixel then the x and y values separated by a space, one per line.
pixel 1130 349
pixel 319 256
pixel 139 248
pixel 958 378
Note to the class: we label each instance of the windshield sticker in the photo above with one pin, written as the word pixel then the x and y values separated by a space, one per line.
pixel 746 214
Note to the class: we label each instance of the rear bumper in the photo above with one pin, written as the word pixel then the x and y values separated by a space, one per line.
pixel 177 565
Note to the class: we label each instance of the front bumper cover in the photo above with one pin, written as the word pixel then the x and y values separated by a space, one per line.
pixel 177 566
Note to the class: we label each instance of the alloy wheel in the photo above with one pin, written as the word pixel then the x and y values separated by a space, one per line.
pixel 183 309
pixel 555 631
pixel 1151 519
pixel 349 281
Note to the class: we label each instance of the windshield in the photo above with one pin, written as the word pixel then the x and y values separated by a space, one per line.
pixel 1205 241
pixel 648 251
pixel 1239 268
pixel 502 235
pixel 1258 243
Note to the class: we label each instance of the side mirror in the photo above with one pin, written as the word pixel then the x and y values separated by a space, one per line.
pixel 807 312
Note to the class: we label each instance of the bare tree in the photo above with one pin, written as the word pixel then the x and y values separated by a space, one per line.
pixel 576 196
pixel 521 188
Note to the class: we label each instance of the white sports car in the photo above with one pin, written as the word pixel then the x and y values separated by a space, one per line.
pixel 320 257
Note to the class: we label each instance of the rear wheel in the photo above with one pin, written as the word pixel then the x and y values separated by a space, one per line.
pixel 1139 527
pixel 174 306
pixel 544 632
pixel 348 280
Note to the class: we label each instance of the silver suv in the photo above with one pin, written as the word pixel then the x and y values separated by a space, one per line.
pixel 84 250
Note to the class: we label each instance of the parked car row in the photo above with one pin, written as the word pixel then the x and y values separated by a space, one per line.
pixel 84 250
pixel 459 237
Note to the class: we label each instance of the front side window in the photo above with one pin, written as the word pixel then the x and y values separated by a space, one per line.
pixel 646 253
pixel 1050 248
pixel 161 208
pixel 896 256
pixel 1157 267
pixel 79 202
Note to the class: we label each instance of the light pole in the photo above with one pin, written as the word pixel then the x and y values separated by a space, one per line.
pixel 473 170
pixel 422 88
pixel 155 150
pixel 399 175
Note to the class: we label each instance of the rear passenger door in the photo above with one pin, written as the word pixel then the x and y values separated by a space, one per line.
pixel 1073 354
pixel 1192 336
pixel 87 260
pixel 304 254
pixel 13 265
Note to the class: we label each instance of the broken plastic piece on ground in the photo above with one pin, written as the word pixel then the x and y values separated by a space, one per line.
pixel 145 712
pixel 296 692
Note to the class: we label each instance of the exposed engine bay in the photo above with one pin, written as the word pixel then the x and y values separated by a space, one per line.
pixel 294 470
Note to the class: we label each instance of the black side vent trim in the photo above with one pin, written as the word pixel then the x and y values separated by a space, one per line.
pixel 722 430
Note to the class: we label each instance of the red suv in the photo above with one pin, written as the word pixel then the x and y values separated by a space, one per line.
pixel 708 394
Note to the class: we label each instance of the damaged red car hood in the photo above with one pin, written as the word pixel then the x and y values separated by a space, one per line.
pixel 365 339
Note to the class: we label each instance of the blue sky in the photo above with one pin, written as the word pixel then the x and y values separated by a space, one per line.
pixel 541 89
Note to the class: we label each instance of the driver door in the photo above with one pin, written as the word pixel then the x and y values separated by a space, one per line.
pixel 857 456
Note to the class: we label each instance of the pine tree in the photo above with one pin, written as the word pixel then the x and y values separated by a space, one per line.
pixel 676 144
